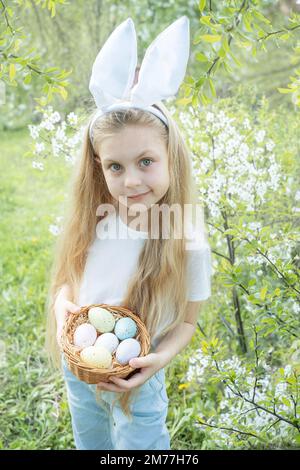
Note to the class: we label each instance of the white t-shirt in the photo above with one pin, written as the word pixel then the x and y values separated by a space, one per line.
pixel 112 259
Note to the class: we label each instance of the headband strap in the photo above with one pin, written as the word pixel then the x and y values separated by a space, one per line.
pixel 125 105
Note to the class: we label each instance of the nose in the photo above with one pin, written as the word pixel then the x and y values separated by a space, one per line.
pixel 132 180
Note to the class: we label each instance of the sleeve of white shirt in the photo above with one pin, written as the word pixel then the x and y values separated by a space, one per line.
pixel 199 270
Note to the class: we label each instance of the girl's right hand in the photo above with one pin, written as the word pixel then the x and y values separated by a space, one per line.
pixel 63 308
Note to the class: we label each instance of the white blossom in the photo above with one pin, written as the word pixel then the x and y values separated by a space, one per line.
pixel 39 147
pixel 54 132
pixel 72 119
pixel 54 229
pixel 47 125
pixel 270 145
pixel 238 170
pixel 34 131
pixel 38 165
pixel 55 117
pixel 260 135
pixel 246 124
pixel 209 117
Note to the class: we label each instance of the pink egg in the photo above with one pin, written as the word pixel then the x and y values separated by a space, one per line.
pixel 85 335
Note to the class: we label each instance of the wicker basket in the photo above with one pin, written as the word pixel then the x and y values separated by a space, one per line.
pixel 83 371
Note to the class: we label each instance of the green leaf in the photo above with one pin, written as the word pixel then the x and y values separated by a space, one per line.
pixel 9 11
pixel 222 53
pixel 211 37
pixel 227 67
pixel 260 16
pixel 184 101
pixel 284 37
pixel 286 401
pixel 205 100
pixel 267 332
pixel 212 87
pixel 202 4
pixel 263 292
pixel 245 44
pixel 195 100
pixel 53 10
pixel 50 69
pixel 189 79
pixel 292 380
pixel 41 101
pixel 225 44
pixel 63 93
pixel 205 20
pixel 27 79
pixel 201 57
pixel 247 21
pixel 234 58
pixel 285 90
pixel 12 71
pixel 17 45
pixel 45 88
pixel 200 82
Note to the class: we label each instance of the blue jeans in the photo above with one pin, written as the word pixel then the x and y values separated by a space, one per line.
pixel 103 425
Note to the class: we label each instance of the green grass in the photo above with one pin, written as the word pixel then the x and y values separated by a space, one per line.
pixel 33 407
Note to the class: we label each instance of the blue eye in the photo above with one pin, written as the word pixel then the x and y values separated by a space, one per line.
pixel 117 164
pixel 149 160
pixel 114 164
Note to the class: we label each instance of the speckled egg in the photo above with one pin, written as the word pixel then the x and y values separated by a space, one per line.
pixel 127 349
pixel 101 319
pixel 125 328
pixel 96 357
pixel 108 341
pixel 85 335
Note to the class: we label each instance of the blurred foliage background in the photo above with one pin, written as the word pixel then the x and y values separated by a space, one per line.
pixel 244 66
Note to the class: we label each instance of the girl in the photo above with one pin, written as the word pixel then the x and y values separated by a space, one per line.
pixel 132 157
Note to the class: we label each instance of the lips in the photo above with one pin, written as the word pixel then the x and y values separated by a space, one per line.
pixel 136 196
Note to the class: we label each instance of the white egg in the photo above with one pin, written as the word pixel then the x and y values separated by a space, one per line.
pixel 85 335
pixel 127 349
pixel 108 341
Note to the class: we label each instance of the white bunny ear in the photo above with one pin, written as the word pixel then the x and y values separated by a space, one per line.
pixel 164 65
pixel 114 67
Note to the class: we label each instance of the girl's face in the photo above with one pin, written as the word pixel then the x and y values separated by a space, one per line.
pixel 134 162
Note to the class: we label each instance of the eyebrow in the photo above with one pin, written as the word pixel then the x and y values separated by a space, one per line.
pixel 106 160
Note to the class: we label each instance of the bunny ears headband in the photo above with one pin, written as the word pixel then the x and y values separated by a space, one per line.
pixel 161 73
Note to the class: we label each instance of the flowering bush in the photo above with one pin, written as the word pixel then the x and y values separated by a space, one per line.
pixel 54 136
pixel 57 138
pixel 258 404
pixel 248 392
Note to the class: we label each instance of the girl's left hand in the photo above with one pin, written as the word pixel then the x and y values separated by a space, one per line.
pixel 149 365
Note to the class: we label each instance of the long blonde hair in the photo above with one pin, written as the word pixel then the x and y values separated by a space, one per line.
pixel 159 283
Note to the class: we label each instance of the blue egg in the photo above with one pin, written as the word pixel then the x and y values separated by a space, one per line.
pixel 125 328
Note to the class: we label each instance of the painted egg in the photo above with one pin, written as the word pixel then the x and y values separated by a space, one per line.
pixel 96 357
pixel 127 349
pixel 101 319
pixel 125 328
pixel 108 341
pixel 85 335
